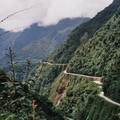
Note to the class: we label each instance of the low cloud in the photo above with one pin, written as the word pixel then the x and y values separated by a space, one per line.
pixel 46 12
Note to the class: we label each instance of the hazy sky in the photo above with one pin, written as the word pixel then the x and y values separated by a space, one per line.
pixel 46 11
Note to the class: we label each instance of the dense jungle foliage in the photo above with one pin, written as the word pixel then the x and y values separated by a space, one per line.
pixel 17 102
pixel 101 56
pixel 81 101
pixel 96 56
pixel 49 92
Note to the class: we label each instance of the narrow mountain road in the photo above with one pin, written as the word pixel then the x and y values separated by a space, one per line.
pixel 97 81
pixel 49 63
pixel 107 99
pixel 67 118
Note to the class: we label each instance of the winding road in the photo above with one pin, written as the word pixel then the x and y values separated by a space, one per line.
pixel 107 99
pixel 49 63
pixel 69 118
pixel 96 80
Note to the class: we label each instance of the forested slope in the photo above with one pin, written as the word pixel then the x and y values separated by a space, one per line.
pixel 97 54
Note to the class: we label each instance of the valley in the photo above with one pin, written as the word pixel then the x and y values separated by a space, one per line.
pixel 37 42
pixel 79 79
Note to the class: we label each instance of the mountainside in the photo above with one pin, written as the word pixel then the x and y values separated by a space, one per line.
pixel 81 77
pixel 99 50
pixel 77 37
pixel 6 39
pixel 37 42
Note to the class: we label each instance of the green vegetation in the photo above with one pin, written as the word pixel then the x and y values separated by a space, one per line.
pixel 91 49
pixel 23 104
pixel 100 56
pixel 18 102
pixel 97 54
pixel 44 75
pixel 111 81
pixel 95 57
pixel 81 101
pixel 20 69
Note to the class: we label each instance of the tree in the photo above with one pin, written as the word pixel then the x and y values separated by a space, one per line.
pixel 12 55
pixel 19 103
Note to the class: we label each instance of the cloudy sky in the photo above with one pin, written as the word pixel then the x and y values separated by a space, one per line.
pixel 18 13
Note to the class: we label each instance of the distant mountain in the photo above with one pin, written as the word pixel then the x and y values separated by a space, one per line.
pixel 6 39
pixel 37 42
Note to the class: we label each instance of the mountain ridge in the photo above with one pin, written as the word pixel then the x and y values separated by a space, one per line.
pixel 48 38
pixel 77 96
pixel 85 66
pixel 66 51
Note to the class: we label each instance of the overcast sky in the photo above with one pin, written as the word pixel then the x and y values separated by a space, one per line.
pixel 46 11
